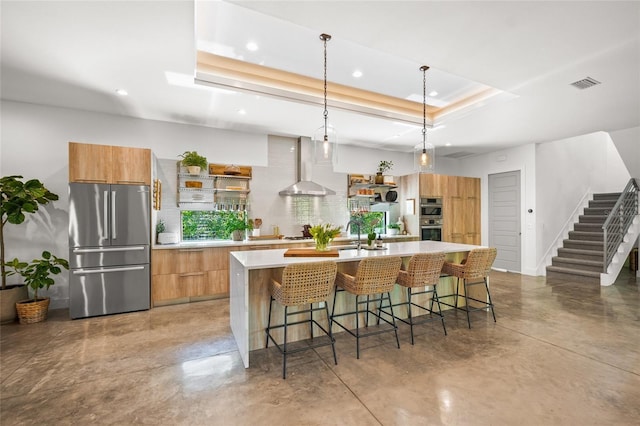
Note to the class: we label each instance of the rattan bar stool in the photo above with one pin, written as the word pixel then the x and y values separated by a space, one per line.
pixel 423 271
pixel 474 270
pixel 374 276
pixel 302 284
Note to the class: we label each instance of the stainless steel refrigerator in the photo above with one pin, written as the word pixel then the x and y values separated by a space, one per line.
pixel 109 237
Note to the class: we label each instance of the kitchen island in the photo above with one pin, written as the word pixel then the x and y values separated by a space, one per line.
pixel 251 271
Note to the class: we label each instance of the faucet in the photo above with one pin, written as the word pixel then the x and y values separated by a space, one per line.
pixel 358 224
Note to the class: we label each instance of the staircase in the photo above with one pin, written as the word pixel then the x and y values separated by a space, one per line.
pixel 582 256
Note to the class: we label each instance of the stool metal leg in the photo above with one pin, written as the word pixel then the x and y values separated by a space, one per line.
pixel 409 313
pixel 486 285
pixel 284 346
pixel 333 341
pixel 393 318
pixel 435 295
pixel 311 320
pixel 269 322
pixel 466 302
pixel 357 330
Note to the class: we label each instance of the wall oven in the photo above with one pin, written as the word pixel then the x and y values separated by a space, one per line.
pixel 431 219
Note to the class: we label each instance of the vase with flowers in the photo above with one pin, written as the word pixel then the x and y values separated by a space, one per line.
pixel 323 234
pixel 383 167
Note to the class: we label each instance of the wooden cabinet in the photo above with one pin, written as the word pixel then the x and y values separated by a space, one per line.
pixel 183 275
pixel 89 163
pixel 460 205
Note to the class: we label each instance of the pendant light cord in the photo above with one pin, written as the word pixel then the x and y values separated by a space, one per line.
pixel 424 69
pixel 325 38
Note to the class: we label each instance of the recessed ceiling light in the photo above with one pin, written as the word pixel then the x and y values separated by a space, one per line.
pixel 433 93
pixel 252 46
pixel 242 111
pixel 122 92
pixel 447 144
pixel 357 74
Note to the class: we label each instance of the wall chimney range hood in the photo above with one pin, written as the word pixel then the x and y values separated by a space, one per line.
pixel 304 185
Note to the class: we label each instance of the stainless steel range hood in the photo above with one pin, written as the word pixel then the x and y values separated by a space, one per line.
pixel 303 185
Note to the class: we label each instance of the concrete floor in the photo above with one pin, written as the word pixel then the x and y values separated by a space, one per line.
pixel 561 353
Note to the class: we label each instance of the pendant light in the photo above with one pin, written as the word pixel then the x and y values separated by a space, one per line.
pixel 424 155
pixel 324 139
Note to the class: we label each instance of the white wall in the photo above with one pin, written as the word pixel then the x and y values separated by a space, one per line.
pixel 627 142
pixel 521 158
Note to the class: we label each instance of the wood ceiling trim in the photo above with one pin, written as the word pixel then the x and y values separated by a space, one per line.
pixel 208 63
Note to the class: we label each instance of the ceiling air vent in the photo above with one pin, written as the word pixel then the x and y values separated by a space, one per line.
pixel 585 83
pixel 459 154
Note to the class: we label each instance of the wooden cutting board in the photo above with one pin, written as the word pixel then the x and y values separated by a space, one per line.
pixel 310 252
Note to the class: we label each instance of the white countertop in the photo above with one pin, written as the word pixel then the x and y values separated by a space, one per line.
pixel 231 243
pixel 274 258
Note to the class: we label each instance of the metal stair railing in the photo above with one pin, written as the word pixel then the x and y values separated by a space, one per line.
pixel 619 220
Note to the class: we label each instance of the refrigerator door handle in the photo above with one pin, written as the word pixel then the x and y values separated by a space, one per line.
pixel 108 249
pixel 105 214
pixel 106 270
pixel 114 231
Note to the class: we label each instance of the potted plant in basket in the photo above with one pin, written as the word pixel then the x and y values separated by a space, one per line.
pixel 36 275
pixel 18 199
pixel 194 162
pixel 383 167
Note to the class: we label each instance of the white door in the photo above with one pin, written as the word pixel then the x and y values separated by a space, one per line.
pixel 504 219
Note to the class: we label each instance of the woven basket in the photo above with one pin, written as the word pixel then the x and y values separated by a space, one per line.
pixel 30 312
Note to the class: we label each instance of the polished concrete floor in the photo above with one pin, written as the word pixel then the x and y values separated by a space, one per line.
pixel 561 353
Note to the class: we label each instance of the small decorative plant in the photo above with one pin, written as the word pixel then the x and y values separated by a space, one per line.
pixel 193 159
pixel 371 236
pixel 37 273
pixel 236 224
pixel 385 166
pixel 323 235
pixel 393 226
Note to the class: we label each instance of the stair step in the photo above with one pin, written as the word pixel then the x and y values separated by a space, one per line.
pixel 567 274
pixel 606 204
pixel 592 218
pixel 586 236
pixel 607 196
pixel 598 211
pixel 588 227
pixel 580 254
pixel 581 264
pixel 584 245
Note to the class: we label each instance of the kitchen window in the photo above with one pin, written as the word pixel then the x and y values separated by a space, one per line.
pixel 200 225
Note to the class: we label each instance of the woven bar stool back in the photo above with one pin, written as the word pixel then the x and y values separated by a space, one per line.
pixel 302 284
pixel 305 283
pixel 423 270
pixel 374 276
pixel 475 270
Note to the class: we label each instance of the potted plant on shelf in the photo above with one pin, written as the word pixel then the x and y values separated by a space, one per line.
pixel 18 199
pixel 194 162
pixel 36 275
pixel 393 228
pixel 323 235
pixel 383 167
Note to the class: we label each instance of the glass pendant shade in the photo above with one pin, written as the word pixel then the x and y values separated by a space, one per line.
pixel 424 158
pixel 325 151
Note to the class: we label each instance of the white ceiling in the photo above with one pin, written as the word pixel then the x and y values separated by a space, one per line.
pixel 75 54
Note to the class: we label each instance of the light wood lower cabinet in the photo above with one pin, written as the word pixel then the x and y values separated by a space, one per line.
pixel 184 275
